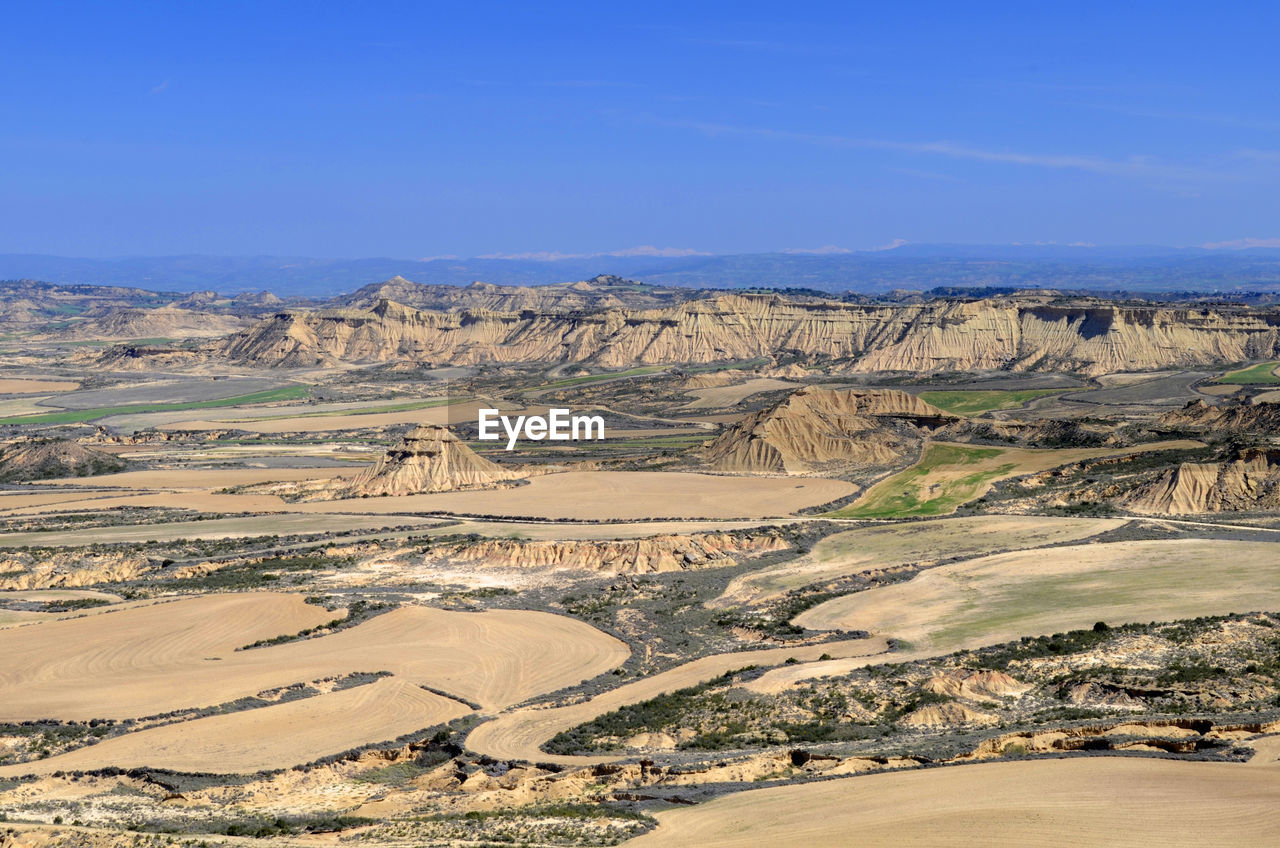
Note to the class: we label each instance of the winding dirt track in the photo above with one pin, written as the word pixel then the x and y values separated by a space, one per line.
pixel 520 733
pixel 1111 802
pixel 273 737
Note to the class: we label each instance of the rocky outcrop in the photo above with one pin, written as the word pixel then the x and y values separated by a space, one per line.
pixel 1235 418
pixel 603 292
pixel 45 459
pixel 428 459
pixel 1045 432
pixel 1087 336
pixel 630 556
pixel 163 322
pixel 1250 482
pixel 817 429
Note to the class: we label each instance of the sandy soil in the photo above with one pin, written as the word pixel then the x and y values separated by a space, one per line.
pixel 1095 801
pixel 182 654
pixel 218 528
pixel 23 387
pixel 278 736
pixel 520 734
pixel 718 397
pixel 1006 596
pixel 616 495
pixel 892 545
pixel 196 478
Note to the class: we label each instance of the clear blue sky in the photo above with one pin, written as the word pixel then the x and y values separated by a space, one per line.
pixel 423 129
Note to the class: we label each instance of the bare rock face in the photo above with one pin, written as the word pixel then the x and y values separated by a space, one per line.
pixel 1016 334
pixel 818 429
pixel 429 459
pixel 1237 417
pixel 627 556
pixel 1250 482
pixel 44 459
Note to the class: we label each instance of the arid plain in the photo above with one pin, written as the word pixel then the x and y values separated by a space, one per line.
pixel 843 570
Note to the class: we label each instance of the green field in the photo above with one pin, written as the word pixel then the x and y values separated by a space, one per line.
pixel 976 402
pixel 1262 374
pixel 593 378
pixel 911 493
pixel 77 416
pixel 368 410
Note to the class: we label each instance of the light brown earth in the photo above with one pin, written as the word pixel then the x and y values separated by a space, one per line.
pixel 22 387
pixel 717 397
pixel 923 542
pixel 182 654
pixel 814 428
pixel 428 458
pixel 1250 482
pixel 1002 597
pixel 216 528
pixel 618 495
pixel 519 734
pixel 272 737
pixel 1103 802
pixel 195 478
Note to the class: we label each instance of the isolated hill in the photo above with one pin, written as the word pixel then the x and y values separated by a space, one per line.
pixel 45 459
pixel 429 458
pixel 1238 418
pixel 1250 482
pixel 603 292
pixel 816 429
pixel 1016 334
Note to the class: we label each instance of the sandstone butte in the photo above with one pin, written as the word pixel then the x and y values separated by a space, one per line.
pixel 42 459
pixel 428 459
pixel 1018 334
pixel 814 429
pixel 1249 482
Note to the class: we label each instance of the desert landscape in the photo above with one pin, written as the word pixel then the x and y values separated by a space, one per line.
pixel 266 581
pixel 565 425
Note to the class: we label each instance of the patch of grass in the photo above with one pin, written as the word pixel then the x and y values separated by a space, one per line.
pixel 593 378
pixel 976 402
pixel 904 494
pixel 1262 374
pixel 78 416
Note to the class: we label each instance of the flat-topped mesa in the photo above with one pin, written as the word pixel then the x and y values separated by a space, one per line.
pixel 817 429
pixel 1091 337
pixel 428 459
pixel 1250 482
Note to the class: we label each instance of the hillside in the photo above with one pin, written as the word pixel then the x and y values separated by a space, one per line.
pixel 428 459
pixel 1016 334
pixel 815 429
pixel 1249 482
pixel 44 459
pixel 163 322
pixel 602 292
pixel 1239 417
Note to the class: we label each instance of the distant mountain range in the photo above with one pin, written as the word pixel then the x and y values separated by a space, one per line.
pixel 922 267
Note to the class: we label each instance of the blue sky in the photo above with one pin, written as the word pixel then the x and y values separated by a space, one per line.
pixel 427 129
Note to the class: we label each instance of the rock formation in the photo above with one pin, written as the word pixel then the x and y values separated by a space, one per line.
pixel 817 429
pixel 1016 334
pixel 45 459
pixel 428 459
pixel 1249 482
pixel 1235 418
pixel 632 556
pixel 603 292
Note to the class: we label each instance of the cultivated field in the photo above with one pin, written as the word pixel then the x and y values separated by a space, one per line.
pixel 718 397
pixel 999 598
pixel 1101 802
pixel 948 475
pixel 183 654
pixel 617 496
pixel 271 737
pixel 918 542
